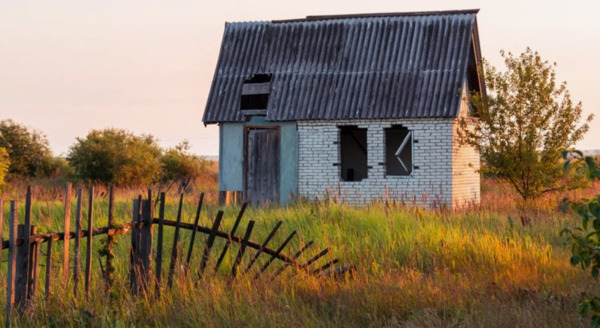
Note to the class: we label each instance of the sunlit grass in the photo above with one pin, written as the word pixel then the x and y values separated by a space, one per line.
pixel 414 268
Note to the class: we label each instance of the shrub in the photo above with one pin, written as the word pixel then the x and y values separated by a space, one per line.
pixel 116 156
pixel 179 165
pixel 27 149
pixel 4 165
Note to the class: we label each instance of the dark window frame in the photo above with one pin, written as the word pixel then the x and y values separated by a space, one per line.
pixel 353 153
pixel 399 151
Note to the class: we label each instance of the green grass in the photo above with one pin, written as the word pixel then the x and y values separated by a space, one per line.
pixel 415 268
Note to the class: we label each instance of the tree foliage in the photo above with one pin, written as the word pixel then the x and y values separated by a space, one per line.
pixel 585 238
pixel 526 120
pixel 116 156
pixel 27 149
pixel 178 164
pixel 4 165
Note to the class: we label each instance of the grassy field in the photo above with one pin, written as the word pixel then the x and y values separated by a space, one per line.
pixel 479 267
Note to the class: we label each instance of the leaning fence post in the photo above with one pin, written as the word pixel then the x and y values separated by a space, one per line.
pixel 33 268
pixel 238 258
pixel 88 264
pixel 159 247
pixel 145 250
pixel 12 263
pixel 67 232
pixel 210 240
pixel 109 241
pixel 174 249
pixel 23 252
pixel 77 256
pixel 48 267
pixel 133 259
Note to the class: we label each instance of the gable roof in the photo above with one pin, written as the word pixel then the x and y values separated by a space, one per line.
pixel 348 67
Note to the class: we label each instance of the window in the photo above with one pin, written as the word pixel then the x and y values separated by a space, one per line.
pixel 398 151
pixel 353 153
pixel 255 93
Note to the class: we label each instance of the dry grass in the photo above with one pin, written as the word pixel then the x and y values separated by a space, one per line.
pixel 415 268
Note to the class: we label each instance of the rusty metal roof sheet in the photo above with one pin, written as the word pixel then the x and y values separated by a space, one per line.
pixel 347 67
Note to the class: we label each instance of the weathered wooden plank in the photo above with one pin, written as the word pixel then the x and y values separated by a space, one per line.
pixel 159 242
pixel 88 263
pixel 108 275
pixel 77 255
pixel 210 241
pixel 22 273
pixel 229 241
pixel 67 230
pixel 264 244
pixel 238 258
pixel 256 88
pixel 134 264
pixel 146 244
pixel 174 248
pixel 48 267
pixel 33 268
pixel 12 260
pixel 276 254
pixel 296 256
pixel 193 238
pixel 262 175
pixel 326 266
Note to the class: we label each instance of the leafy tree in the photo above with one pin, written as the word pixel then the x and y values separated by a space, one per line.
pixel 4 165
pixel 27 149
pixel 525 122
pixel 178 165
pixel 116 156
pixel 585 239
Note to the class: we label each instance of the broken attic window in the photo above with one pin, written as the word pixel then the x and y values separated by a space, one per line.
pixel 398 151
pixel 255 92
pixel 353 153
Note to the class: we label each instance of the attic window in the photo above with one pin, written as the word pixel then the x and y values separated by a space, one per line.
pixel 255 93
pixel 398 151
pixel 353 153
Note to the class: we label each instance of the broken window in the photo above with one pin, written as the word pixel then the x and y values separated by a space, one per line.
pixel 255 92
pixel 398 151
pixel 353 153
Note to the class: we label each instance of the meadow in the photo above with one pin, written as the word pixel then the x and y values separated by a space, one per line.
pixel 476 267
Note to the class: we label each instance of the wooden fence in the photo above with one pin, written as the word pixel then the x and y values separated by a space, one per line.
pixel 24 244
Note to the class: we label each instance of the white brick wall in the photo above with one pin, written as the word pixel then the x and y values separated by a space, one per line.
pixel 446 171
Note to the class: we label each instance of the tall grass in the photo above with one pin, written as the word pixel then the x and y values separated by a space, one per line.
pixel 479 267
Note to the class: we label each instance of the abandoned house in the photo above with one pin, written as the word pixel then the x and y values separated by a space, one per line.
pixel 355 107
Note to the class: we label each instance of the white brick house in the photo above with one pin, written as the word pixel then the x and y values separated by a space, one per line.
pixel 355 107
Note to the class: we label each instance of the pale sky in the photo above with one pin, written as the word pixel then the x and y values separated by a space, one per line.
pixel 69 66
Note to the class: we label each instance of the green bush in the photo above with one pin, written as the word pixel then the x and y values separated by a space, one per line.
pixel 179 165
pixel 4 165
pixel 27 149
pixel 116 156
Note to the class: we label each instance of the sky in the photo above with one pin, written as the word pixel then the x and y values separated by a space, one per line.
pixel 70 66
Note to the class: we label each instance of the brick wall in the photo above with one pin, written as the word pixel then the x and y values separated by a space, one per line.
pixel 446 172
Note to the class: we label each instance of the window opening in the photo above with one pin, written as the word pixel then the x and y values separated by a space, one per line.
pixel 398 151
pixel 255 92
pixel 353 153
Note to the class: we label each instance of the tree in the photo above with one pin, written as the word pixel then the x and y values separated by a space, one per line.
pixel 585 238
pixel 4 165
pixel 525 122
pixel 178 165
pixel 115 156
pixel 27 149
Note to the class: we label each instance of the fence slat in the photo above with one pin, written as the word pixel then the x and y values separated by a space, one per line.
pixel 159 246
pixel 12 261
pixel 33 268
pixel 88 263
pixel 274 256
pixel 77 257
pixel 193 238
pixel 67 225
pixel 264 244
pixel 238 258
pixel 296 256
pixel 174 248
pixel 133 259
pixel 209 241
pixel 145 250
pixel 48 267
pixel 108 275
pixel 229 241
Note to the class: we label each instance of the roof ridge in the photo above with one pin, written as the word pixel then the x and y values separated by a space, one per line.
pixel 373 15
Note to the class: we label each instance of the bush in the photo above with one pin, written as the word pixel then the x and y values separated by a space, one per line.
pixel 27 149
pixel 4 165
pixel 116 156
pixel 178 165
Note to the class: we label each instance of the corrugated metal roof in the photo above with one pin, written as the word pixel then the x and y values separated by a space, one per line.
pixel 329 67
